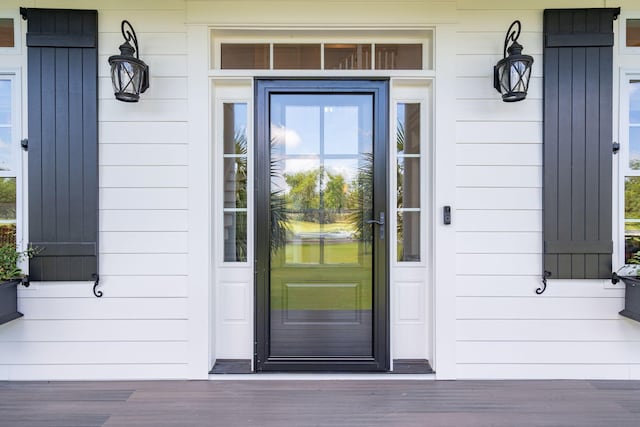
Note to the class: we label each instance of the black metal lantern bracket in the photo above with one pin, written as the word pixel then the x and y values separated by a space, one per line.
pixel 511 74
pixel 129 74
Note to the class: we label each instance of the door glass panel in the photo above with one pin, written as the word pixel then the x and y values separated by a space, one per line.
pixel 322 249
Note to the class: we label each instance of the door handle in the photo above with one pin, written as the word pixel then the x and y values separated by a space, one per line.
pixel 379 222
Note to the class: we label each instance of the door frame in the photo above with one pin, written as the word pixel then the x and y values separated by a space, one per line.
pixel 264 87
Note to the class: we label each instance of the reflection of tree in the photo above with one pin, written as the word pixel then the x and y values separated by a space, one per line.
pixel 335 194
pixel 7 198
pixel 632 212
pixel 303 194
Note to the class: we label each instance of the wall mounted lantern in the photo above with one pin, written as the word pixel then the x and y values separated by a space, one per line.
pixel 129 74
pixel 511 74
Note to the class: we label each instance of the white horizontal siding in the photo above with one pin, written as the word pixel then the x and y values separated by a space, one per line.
pixel 488 42
pixel 80 353
pixel 480 88
pixel 150 132
pixel 114 242
pixel 499 176
pixel 122 286
pixel 159 65
pixel 524 286
pixel 154 109
pixel 143 198
pixel 139 328
pixel 143 220
pixel 136 176
pixel 499 198
pixel 567 352
pixel 92 371
pixel 143 154
pixel 548 371
pixel 144 264
pixel 159 88
pixel 538 307
pixel 499 154
pixel 101 330
pixel 488 242
pixel 608 330
pixel 103 308
pixel 504 329
pixel 499 220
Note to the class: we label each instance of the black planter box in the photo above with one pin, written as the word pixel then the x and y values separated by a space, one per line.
pixel 631 298
pixel 9 301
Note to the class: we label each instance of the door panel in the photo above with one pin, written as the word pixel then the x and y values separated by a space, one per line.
pixel 321 284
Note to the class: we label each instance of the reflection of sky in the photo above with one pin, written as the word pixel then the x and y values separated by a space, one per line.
pixel 240 119
pixel 5 148
pixel 341 130
pixel 5 124
pixel 302 129
pixel 634 144
pixel 5 102
pixel 634 103
pixel 314 131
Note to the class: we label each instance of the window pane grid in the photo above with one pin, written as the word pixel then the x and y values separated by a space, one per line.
pixel 408 179
pixel 321 56
pixel 235 180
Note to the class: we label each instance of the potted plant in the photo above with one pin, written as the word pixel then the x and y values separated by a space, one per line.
pixel 10 277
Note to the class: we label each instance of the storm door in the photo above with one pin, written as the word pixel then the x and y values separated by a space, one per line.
pixel 321 236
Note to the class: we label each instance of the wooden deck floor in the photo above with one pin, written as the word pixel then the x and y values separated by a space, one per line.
pixel 321 403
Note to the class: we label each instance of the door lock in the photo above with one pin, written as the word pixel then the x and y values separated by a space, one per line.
pixel 379 222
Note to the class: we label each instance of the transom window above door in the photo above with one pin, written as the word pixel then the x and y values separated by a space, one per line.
pixel 338 50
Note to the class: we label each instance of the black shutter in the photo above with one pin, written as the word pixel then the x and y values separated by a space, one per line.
pixel 578 93
pixel 63 143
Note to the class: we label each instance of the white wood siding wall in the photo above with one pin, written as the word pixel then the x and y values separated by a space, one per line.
pixel 505 330
pixel 138 329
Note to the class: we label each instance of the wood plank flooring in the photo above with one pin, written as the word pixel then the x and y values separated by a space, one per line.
pixel 320 403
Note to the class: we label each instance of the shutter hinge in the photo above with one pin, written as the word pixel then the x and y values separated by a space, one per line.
pixel 25 281
pixel 615 279
pixel 24 143
pixel 23 13
pixel 543 288
pixel 98 294
pixel 616 147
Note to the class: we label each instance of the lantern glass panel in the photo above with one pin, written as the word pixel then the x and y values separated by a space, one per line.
pixel 127 78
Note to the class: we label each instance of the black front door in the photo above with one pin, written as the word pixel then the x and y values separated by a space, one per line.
pixel 321 198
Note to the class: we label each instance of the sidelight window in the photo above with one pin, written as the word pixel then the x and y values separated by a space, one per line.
pixel 631 168
pixel 235 181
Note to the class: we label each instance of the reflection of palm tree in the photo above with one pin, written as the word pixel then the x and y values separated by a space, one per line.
pixel 361 199
pixel 400 139
pixel 240 177
pixel 277 209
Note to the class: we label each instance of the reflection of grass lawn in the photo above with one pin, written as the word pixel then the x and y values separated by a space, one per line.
pixel 313 227
pixel 334 252
pixel 341 283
